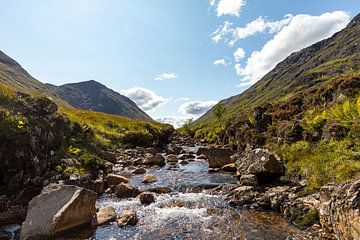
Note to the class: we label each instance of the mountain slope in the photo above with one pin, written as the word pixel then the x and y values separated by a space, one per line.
pixel 91 95
pixel 324 61
pixel 13 75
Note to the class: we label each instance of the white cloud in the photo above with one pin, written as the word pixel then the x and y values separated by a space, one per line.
pixel 230 7
pixel 239 54
pixel 166 76
pixel 144 98
pixel 259 25
pixel 212 2
pixel 220 62
pixel 302 31
pixel 196 107
pixel 175 121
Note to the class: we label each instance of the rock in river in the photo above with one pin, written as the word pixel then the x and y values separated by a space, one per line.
pixel 114 179
pixel 217 157
pixel 126 190
pixel 149 178
pixel 57 209
pixel 127 218
pixel 146 198
pixel 104 215
pixel 156 159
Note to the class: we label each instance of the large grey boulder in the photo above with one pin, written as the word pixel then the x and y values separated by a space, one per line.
pixel 262 163
pixel 217 157
pixel 57 209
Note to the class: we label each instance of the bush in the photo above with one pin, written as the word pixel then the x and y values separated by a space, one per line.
pixel 90 160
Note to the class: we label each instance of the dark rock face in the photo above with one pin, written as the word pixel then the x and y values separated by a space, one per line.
pixel 217 157
pixel 146 198
pixel 266 166
pixel 339 209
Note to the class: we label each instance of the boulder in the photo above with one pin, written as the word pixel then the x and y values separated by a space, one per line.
pixel 248 180
pixel 160 190
pixel 339 209
pixel 104 215
pixel 156 159
pixel 114 179
pixel 213 170
pixel 126 190
pixel 229 167
pixel 57 209
pixel 139 171
pixel 202 156
pixel 171 158
pixel 149 178
pixel 127 218
pixel 183 162
pixel 186 156
pixel 146 198
pixel 174 149
pixel 217 157
pixel 265 165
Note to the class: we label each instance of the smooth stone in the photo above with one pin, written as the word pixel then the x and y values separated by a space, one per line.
pixel 104 215
pixel 149 178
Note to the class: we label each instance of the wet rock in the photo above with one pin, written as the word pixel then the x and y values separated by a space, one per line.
pixel 127 218
pixel 174 149
pixel 229 167
pixel 146 198
pixel 99 186
pixel 171 158
pixel 57 209
pixel 339 209
pixel 201 156
pixel 104 215
pixel 126 190
pixel 114 179
pixel 185 156
pixel 137 161
pixel 265 165
pixel 213 170
pixel 156 159
pixel 149 178
pixel 217 157
pixel 152 151
pixel 160 190
pixel 248 180
pixel 183 162
pixel 139 171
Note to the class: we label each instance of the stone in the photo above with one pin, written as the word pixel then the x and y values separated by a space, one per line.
pixel 213 170
pixel 339 209
pixel 152 151
pixel 229 167
pixel 104 215
pixel 137 161
pixel 174 149
pixel 139 171
pixel 217 157
pixel 126 190
pixel 201 156
pixel 248 180
pixel 127 218
pixel 146 198
pixel 57 209
pixel 265 165
pixel 183 162
pixel 160 190
pixel 149 178
pixel 186 156
pixel 114 179
pixel 171 158
pixel 156 159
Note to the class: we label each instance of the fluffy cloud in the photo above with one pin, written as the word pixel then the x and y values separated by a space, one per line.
pixel 212 2
pixel 233 34
pixel 166 76
pixel 301 31
pixel 239 54
pixel 175 121
pixel 196 107
pixel 144 98
pixel 220 62
pixel 229 7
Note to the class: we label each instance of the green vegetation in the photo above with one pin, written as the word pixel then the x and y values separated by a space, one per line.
pixel 111 131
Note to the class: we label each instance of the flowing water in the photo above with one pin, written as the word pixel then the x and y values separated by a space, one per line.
pixel 190 212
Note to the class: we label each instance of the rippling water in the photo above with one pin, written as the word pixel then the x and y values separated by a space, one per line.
pixel 187 213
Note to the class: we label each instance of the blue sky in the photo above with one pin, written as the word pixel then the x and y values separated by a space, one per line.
pixel 174 58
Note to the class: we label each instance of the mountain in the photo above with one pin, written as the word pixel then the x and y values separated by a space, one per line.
pixel 92 95
pixel 15 76
pixel 316 65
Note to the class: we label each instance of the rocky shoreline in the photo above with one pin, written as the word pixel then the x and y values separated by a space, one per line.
pixel 333 213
